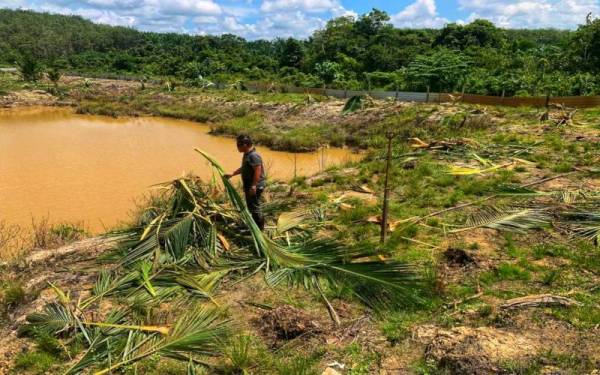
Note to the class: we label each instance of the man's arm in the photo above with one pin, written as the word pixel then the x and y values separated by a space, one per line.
pixel 235 173
pixel 256 177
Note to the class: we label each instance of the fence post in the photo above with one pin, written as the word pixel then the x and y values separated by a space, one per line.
pixel 397 94
pixel 345 93
pixel 386 188
pixel 548 102
pixel 462 94
pixel 427 96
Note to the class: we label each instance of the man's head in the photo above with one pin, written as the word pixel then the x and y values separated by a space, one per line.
pixel 244 143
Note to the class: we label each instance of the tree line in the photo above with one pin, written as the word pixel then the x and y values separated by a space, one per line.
pixel 366 52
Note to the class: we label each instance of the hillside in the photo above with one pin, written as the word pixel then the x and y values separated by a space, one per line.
pixel 366 52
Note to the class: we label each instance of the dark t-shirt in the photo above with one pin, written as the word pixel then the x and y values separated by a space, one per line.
pixel 250 160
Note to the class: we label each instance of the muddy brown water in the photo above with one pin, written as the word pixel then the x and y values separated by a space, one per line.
pixel 91 169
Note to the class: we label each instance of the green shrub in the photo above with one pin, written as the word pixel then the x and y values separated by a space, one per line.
pixel 13 295
pixel 239 354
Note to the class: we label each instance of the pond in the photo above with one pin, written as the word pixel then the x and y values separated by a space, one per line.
pixel 91 169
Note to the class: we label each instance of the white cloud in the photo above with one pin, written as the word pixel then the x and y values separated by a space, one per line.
pixel 531 13
pixel 309 6
pixel 420 14
pixel 190 7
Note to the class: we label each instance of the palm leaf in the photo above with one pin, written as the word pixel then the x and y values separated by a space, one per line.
pixel 294 219
pixel 140 250
pixel 163 330
pixel 353 104
pixel 177 235
pixel 54 318
pixel 511 220
pixel 456 170
pixel 585 225
pixel 572 196
pixel 200 331
pixel 516 190
pixel 333 263
pixel 202 284
pixel 107 284
pixel 145 269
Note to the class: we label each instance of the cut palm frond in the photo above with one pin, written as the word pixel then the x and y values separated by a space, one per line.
pixel 108 284
pixel 203 285
pixel 516 190
pixel 353 104
pixel 199 332
pixel 572 196
pixel 469 171
pixel 264 246
pixel 483 161
pixel 145 270
pixel 585 225
pixel 54 319
pixel 163 330
pixel 98 352
pixel 332 263
pixel 177 236
pixel 319 258
pixel 294 219
pixel 511 220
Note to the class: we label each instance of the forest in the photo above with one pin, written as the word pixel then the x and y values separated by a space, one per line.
pixel 366 52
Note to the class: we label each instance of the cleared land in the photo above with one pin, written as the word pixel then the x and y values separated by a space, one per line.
pixel 496 210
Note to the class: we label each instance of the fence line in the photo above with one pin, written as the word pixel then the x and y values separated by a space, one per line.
pixel 419 97
pixel 423 97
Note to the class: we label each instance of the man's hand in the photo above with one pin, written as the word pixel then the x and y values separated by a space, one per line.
pixel 252 190
pixel 235 173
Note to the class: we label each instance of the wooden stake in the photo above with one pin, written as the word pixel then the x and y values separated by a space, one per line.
pixel 386 189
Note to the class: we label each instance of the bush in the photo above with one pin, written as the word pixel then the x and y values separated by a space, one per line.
pixel 13 295
pixel 29 68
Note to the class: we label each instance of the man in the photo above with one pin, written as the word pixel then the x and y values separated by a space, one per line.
pixel 253 177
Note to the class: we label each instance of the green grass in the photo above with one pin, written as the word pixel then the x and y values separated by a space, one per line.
pixel 505 272
pixel 397 325
pixel 12 294
pixel 34 362
pixel 568 364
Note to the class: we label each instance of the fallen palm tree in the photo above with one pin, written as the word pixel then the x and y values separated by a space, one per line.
pixel 199 239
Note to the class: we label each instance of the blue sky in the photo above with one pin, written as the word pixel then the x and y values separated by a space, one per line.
pixel 254 19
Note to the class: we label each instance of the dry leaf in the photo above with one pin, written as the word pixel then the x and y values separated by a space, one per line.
pixel 224 241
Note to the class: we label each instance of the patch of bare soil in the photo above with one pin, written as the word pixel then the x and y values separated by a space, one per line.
pixel 27 98
pixel 111 87
pixel 466 350
pixel 287 322
pixel 458 257
pixel 457 263
pixel 329 176
pixel 519 337
pixel 486 241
